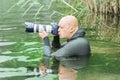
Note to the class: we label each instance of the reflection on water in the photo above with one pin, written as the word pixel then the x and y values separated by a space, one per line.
pixel 70 67
pixel 67 73
pixel 67 68
pixel 19 58
pixel 8 72
pixel 6 43
pixel 5 58
pixel 7 28
pixel 75 63
pixel 21 53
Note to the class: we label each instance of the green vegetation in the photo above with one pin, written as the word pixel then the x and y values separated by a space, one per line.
pixel 21 49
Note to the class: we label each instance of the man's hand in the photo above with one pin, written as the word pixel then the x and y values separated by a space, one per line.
pixel 43 33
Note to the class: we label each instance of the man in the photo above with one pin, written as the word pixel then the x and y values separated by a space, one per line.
pixel 76 44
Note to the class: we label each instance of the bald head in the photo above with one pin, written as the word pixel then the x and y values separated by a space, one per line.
pixel 69 20
pixel 68 25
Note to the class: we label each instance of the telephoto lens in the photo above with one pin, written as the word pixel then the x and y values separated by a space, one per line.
pixel 31 27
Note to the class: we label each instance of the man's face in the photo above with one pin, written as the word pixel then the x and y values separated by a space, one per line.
pixel 67 27
pixel 63 31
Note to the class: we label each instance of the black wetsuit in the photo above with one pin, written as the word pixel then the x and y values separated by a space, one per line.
pixel 76 46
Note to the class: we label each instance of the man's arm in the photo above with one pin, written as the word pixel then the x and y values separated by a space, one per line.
pixel 67 50
pixel 77 47
pixel 55 44
pixel 47 48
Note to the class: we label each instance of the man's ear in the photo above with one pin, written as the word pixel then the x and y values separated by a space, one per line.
pixel 72 29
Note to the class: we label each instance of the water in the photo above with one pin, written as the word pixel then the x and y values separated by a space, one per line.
pixel 21 53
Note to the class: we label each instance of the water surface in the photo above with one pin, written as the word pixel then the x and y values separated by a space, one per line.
pixel 21 53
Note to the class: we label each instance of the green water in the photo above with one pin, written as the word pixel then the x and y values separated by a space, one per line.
pixel 20 51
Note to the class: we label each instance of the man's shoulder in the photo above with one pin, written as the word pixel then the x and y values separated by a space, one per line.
pixel 78 42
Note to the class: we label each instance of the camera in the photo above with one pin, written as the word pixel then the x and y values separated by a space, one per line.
pixel 31 27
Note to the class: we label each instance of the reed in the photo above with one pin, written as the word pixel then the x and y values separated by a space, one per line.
pixel 103 6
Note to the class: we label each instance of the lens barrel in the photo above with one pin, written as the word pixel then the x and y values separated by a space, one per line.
pixel 31 27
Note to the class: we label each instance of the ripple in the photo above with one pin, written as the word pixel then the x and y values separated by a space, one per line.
pixel 30 43
pixel 6 43
pixel 7 52
pixel 10 72
pixel 5 58
pixel 7 28
pixel 24 58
